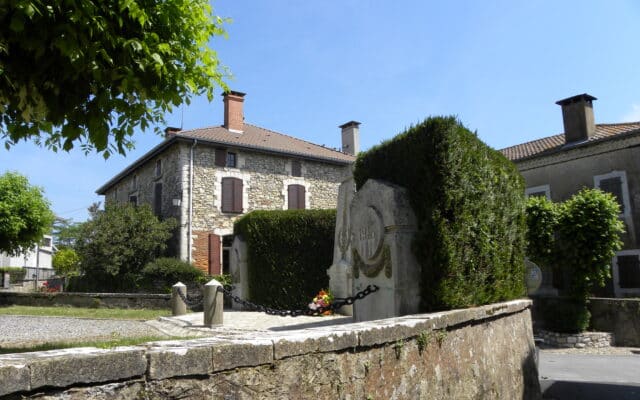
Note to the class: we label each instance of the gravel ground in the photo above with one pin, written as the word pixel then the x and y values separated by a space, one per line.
pixel 23 331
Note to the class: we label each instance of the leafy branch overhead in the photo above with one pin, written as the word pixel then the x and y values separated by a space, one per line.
pixel 89 72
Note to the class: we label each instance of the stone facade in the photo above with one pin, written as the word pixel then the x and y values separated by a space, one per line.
pixel 479 353
pixel 265 178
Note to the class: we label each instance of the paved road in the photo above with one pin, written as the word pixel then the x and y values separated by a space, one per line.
pixel 589 377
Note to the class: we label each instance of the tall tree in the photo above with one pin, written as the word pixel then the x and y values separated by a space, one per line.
pixel 88 72
pixel 24 214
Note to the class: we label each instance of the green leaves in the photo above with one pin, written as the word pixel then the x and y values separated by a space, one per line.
pixel 57 59
pixel 25 216
pixel 582 234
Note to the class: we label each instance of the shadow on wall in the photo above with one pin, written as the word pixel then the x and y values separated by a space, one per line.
pixel 531 388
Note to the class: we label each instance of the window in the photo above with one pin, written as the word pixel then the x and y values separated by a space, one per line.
pixel 231 160
pixel 231 195
pixel 46 242
pixel 296 168
pixel 134 182
pixel 626 273
pixel 158 167
pixel 296 197
pixel 157 199
pixel 615 183
pixel 133 200
pixel 539 191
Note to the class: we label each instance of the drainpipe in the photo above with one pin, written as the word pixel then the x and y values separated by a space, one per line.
pixel 193 146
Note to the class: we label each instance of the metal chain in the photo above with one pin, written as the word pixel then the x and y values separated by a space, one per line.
pixel 191 303
pixel 335 305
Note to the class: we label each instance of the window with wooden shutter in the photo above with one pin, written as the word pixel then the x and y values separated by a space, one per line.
pixel 232 160
pixel 231 195
pixel 613 186
pixel 296 197
pixel 296 168
pixel 133 200
pixel 628 271
pixel 221 158
pixel 157 199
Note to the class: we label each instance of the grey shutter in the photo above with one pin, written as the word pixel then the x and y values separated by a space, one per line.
pixel 613 186
pixel 629 271
pixel 227 195
pixel 301 193
pixel 221 158
pixel 296 168
pixel 295 194
pixel 157 199
pixel 237 195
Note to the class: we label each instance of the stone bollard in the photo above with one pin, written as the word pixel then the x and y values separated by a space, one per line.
pixel 213 303
pixel 178 306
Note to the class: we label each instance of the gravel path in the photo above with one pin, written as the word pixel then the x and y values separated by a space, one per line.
pixel 23 331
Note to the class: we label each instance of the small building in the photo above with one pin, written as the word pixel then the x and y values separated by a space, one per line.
pixel 206 178
pixel 37 260
pixel 605 156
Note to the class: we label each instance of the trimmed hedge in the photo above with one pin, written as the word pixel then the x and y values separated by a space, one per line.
pixel 469 202
pixel 288 255
pixel 162 273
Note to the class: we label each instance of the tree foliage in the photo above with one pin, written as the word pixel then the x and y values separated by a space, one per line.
pixel 66 262
pixel 89 72
pixel 24 214
pixel 65 232
pixel 121 240
pixel 582 235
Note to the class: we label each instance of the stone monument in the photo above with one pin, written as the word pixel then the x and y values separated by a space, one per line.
pixel 382 226
pixel 239 271
pixel 341 273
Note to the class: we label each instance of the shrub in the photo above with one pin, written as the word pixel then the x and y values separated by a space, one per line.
pixel 469 203
pixel 162 273
pixel 288 254
pixel 565 314
pixel 66 262
pixel 16 274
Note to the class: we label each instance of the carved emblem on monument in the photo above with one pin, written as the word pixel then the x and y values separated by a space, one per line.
pixel 367 237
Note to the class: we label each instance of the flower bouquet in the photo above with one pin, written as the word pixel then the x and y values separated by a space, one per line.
pixel 323 300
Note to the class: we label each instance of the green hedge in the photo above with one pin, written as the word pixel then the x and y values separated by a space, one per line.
pixel 469 202
pixel 15 273
pixel 564 314
pixel 288 254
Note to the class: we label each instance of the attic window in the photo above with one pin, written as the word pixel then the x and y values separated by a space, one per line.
pixel 296 168
pixel 224 158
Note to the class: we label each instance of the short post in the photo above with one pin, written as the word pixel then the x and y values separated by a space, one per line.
pixel 213 303
pixel 6 278
pixel 178 306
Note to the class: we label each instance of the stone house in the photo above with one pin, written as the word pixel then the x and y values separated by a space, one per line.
pixel 206 178
pixel 605 156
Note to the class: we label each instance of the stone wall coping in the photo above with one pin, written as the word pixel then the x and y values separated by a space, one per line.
pixel 24 372
pixel 103 295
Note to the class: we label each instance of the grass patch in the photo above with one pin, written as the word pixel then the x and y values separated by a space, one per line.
pixel 101 344
pixel 76 312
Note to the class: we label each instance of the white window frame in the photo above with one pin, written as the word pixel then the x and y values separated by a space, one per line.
pixel 617 290
pixel 536 189
pixel 217 189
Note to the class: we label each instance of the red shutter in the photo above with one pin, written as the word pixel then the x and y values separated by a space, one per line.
pixel 221 158
pixel 214 254
pixel 237 195
pixel 227 195
pixel 292 197
pixel 301 197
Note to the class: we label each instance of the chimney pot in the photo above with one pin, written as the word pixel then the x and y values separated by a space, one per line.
pixel 577 117
pixel 350 137
pixel 170 131
pixel 233 112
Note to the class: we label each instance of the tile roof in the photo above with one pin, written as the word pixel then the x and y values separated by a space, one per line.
pixel 262 139
pixel 552 144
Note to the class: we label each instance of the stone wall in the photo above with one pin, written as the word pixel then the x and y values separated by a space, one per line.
pixel 620 316
pixel 102 300
pixel 480 353
pixel 577 340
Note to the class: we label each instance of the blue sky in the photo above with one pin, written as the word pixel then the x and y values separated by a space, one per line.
pixel 309 66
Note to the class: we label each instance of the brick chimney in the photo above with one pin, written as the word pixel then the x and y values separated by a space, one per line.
pixel 170 131
pixel 577 116
pixel 233 114
pixel 350 137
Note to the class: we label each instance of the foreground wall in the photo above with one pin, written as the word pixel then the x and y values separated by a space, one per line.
pixel 479 353
pixel 91 300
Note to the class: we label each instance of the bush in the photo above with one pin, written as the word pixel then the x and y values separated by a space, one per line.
pixel 289 253
pixel 162 273
pixel 16 274
pixel 469 203
pixel 66 262
pixel 565 315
